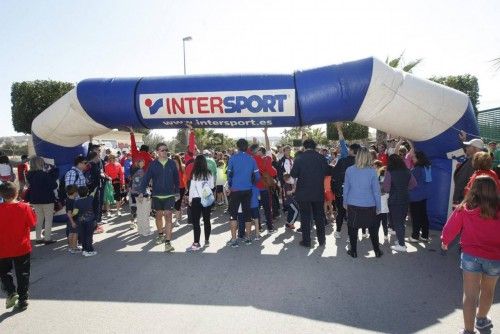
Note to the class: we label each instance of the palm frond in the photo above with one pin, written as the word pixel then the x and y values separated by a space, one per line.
pixel 396 61
pixel 409 67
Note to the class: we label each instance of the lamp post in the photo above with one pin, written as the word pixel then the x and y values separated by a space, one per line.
pixel 184 40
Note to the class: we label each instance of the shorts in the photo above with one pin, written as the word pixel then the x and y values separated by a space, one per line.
pixel 479 265
pixel 219 189
pixel 70 228
pixel 117 189
pixel 242 197
pixel 163 204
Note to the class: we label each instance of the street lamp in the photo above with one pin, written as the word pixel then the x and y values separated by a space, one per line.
pixel 184 40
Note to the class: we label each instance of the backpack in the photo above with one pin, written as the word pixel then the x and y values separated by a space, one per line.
pixel 206 195
pixel 61 191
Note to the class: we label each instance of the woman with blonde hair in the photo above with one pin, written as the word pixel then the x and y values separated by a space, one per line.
pixel 42 180
pixel 482 164
pixel 362 201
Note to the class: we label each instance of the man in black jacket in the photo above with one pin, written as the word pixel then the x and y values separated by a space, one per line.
pixel 310 169
pixel 338 184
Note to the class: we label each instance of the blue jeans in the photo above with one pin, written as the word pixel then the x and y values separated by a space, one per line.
pixel 87 233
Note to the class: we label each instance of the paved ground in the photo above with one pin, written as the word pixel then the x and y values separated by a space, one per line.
pixel 274 286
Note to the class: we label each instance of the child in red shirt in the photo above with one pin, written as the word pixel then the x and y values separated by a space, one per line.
pixel 477 218
pixel 16 221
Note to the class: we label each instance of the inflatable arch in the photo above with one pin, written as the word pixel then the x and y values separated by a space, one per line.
pixel 366 91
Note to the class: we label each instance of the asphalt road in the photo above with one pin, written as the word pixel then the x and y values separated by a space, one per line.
pixel 271 286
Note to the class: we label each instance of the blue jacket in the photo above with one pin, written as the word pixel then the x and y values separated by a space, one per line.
pixel 165 179
pixel 361 187
pixel 42 185
pixel 419 193
pixel 242 172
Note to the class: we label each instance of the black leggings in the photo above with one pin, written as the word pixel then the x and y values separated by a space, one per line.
pixel 197 210
pixel 177 205
pixel 353 237
pixel 419 219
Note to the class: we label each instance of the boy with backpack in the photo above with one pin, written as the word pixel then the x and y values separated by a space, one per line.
pixel 72 227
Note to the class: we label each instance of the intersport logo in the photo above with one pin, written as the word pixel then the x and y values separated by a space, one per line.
pixel 261 103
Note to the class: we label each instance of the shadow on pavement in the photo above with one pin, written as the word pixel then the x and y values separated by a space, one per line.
pixel 398 293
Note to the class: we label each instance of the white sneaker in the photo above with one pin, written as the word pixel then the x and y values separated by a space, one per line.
pixel 366 235
pixel 337 235
pixel 399 248
pixel 392 232
pixel 87 254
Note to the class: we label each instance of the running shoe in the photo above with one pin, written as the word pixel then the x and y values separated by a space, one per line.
pixel 193 248
pixel 399 248
pixel 425 239
pixel 11 300
pixel 169 247
pixel 248 241
pixel 160 239
pixel 207 243
pixel 257 237
pixel 234 244
pixel 22 305
pixel 482 323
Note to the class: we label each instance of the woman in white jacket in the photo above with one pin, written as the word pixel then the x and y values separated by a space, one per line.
pixel 202 183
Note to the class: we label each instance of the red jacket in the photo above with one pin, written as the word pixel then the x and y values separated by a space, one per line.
pixel 115 171
pixel 383 157
pixel 16 220
pixel 22 170
pixel 480 237
pixel 136 154
pixel 189 156
pixel 265 164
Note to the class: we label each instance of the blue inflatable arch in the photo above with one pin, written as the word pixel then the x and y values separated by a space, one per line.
pixel 366 91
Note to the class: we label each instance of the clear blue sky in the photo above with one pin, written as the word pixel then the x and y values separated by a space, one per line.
pixel 74 40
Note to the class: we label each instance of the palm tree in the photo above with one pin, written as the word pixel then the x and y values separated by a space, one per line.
pixel 496 63
pixel 398 63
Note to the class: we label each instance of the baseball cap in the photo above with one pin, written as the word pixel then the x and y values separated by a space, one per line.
pixel 206 152
pixel 475 142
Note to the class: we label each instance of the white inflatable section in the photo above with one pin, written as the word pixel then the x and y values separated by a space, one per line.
pixel 65 123
pixel 404 105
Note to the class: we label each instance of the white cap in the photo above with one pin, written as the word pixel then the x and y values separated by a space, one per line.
pixel 478 143
pixel 206 152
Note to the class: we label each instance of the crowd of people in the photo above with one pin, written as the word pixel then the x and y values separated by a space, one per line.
pixel 364 187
